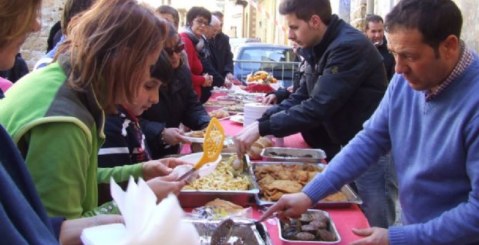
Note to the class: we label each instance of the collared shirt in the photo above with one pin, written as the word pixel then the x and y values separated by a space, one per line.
pixel 464 61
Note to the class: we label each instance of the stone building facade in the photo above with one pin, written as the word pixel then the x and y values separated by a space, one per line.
pixel 35 45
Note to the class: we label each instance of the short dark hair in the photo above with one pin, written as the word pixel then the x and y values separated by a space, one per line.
pixel 218 14
pixel 304 9
pixel 434 19
pixel 195 12
pixel 372 18
pixel 166 9
pixel 72 8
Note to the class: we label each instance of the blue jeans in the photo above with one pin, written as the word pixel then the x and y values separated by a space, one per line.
pixel 378 189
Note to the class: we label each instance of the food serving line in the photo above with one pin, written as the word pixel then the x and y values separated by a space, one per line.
pixel 345 217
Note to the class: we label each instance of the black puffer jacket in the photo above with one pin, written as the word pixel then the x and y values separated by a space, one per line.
pixel 341 87
pixel 178 104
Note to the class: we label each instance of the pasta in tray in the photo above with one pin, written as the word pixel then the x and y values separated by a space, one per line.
pixel 221 179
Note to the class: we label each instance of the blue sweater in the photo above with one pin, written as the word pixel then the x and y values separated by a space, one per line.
pixel 22 216
pixel 435 148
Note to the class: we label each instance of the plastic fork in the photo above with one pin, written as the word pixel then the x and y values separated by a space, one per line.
pixel 212 146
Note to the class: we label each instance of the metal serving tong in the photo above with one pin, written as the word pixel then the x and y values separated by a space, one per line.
pixel 212 146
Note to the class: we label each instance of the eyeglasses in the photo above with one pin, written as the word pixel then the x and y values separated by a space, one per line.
pixel 201 22
pixel 179 47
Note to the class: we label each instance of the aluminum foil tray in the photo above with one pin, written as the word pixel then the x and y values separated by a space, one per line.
pixel 351 196
pixel 249 234
pixel 197 198
pixel 293 154
pixel 288 233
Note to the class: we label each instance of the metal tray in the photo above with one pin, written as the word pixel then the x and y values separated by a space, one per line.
pixel 250 234
pixel 330 227
pixel 352 197
pixel 293 154
pixel 197 198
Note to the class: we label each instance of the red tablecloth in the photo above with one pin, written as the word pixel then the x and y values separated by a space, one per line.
pixel 345 218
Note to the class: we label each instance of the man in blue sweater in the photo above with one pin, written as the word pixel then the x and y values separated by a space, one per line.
pixel 429 120
pixel 342 84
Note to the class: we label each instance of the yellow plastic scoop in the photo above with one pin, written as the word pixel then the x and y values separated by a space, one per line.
pixel 212 146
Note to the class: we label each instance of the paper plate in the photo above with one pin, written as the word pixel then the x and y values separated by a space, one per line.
pixel 193 139
pixel 195 157
pixel 237 119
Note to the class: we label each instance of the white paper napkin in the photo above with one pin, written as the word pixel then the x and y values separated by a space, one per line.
pixel 146 222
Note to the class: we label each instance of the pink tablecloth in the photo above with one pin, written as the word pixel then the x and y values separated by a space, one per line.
pixel 345 218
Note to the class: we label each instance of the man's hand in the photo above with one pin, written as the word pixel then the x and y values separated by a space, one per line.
pixel 289 205
pixel 161 167
pixel 270 99
pixel 71 230
pixel 373 236
pixel 244 139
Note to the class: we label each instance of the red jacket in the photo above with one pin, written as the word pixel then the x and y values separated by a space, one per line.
pixel 194 62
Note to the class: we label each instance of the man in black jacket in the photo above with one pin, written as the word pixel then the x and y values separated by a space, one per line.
pixel 221 52
pixel 343 83
pixel 374 30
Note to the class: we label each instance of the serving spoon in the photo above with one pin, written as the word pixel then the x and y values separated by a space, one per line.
pixel 212 146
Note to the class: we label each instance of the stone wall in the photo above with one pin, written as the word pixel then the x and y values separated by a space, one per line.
pixel 35 45
pixel 470 29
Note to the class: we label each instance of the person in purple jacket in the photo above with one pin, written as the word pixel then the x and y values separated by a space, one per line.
pixel 429 120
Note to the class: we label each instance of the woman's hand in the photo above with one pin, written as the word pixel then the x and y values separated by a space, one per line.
pixel 208 80
pixel 160 167
pixel 173 136
pixel 162 186
pixel 71 230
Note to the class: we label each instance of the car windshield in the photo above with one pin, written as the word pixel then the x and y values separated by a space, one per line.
pixel 267 54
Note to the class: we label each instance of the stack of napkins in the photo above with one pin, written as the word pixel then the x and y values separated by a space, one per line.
pixel 146 222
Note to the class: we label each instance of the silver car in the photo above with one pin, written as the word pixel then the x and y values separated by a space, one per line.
pixel 278 60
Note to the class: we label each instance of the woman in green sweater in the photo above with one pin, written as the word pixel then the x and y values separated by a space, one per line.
pixel 56 114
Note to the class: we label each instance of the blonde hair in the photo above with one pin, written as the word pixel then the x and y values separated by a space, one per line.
pixel 16 17
pixel 109 47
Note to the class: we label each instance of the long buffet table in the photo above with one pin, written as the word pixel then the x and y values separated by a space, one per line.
pixel 345 218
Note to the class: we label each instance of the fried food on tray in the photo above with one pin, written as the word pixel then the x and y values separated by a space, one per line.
pixel 286 186
pixel 219 113
pixel 261 77
pixel 255 151
pixel 275 180
pixel 225 205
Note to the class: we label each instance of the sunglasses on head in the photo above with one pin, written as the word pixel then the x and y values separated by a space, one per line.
pixel 177 49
